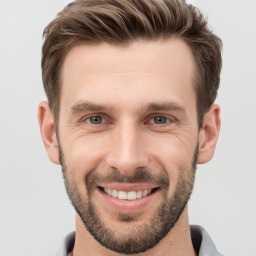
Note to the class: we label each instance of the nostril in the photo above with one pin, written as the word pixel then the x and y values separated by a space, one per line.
pixel 127 164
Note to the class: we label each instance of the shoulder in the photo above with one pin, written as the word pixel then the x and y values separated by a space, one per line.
pixel 67 244
pixel 202 242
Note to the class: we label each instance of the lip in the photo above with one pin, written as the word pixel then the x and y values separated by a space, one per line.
pixel 127 186
pixel 126 206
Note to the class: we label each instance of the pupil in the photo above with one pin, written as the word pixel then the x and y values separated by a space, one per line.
pixel 160 119
pixel 95 119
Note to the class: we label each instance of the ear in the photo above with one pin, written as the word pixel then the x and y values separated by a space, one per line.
pixel 48 133
pixel 209 134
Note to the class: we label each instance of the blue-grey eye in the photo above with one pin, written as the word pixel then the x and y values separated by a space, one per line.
pixel 96 119
pixel 160 119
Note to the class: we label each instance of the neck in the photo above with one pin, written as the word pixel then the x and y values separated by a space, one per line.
pixel 177 242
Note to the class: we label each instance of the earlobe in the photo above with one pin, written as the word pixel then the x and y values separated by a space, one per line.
pixel 48 133
pixel 209 134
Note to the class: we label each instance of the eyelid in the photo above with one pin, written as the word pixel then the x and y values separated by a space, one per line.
pixel 87 117
pixel 103 120
pixel 170 118
pixel 106 119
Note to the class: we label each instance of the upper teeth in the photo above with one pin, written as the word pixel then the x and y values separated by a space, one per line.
pixel 131 195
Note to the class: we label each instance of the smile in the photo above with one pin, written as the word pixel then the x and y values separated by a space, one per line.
pixel 127 195
pixel 126 198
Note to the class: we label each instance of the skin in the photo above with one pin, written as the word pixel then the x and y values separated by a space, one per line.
pixel 132 85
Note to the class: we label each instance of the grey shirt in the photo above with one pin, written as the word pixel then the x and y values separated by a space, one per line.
pixel 202 243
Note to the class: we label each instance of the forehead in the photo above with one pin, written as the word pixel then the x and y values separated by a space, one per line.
pixel 152 69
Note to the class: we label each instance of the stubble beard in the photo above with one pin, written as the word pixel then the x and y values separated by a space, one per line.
pixel 137 238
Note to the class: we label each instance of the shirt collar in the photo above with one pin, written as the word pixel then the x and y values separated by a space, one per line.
pixel 201 240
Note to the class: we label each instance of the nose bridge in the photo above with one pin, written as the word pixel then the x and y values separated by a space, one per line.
pixel 127 149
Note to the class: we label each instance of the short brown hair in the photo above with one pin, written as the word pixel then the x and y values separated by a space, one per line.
pixel 123 21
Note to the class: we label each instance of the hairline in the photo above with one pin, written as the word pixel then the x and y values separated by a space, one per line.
pixel 195 78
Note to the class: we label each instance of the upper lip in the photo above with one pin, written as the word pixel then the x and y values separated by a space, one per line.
pixel 127 186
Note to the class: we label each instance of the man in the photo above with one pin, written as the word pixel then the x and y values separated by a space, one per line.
pixel 131 88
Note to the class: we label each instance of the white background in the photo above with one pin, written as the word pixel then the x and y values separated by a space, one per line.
pixel 35 213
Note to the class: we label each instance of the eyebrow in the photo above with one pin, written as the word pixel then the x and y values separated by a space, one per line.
pixel 167 106
pixel 86 106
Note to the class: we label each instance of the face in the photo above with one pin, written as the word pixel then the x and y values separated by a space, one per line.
pixel 128 139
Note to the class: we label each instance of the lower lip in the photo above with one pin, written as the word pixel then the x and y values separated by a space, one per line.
pixel 127 205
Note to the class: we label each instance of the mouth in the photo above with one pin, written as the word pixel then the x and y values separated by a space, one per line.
pixel 128 195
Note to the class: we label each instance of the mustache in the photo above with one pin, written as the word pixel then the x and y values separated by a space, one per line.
pixel 140 175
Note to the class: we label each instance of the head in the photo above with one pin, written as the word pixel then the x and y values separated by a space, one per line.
pixel 130 87
pixel 125 21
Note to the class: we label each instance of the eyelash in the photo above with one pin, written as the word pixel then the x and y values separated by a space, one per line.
pixel 84 120
pixel 169 119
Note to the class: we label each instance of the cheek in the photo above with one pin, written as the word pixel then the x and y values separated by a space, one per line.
pixel 174 155
pixel 173 148
pixel 83 154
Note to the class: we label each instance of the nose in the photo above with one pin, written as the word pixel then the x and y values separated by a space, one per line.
pixel 127 150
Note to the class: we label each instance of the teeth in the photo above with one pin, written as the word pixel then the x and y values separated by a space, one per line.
pixel 122 195
pixel 144 193
pixel 131 195
pixel 139 194
pixel 114 193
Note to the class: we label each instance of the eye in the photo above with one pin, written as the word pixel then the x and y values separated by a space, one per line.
pixel 159 120
pixel 95 120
